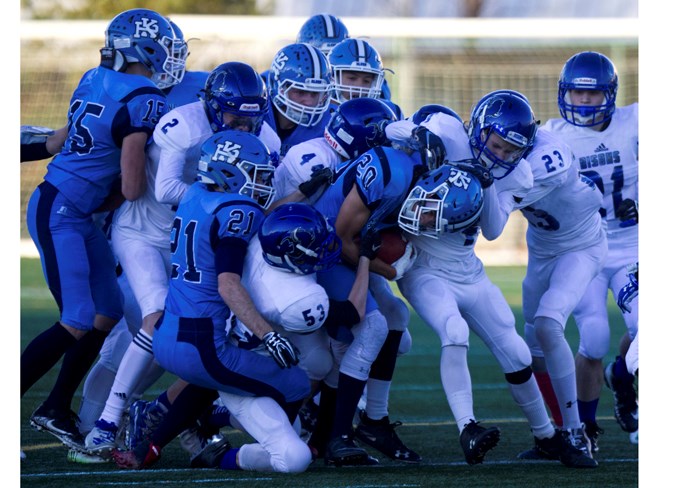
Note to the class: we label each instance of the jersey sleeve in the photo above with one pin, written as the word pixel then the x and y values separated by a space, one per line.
pixel 145 111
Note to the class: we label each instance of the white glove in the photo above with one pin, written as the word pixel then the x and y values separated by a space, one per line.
pixel 31 134
pixel 405 262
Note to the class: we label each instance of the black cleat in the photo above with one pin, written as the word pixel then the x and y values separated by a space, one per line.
pixel 625 400
pixel 212 453
pixel 593 431
pixel 342 451
pixel 380 434
pixel 62 425
pixel 476 441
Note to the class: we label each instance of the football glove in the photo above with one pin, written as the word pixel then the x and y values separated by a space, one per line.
pixel 370 243
pixel 628 213
pixel 405 262
pixel 626 295
pixel 318 179
pixel 476 169
pixel 283 351
pixel 430 147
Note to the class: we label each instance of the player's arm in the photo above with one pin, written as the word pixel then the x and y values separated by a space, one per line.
pixel 240 303
pixel 39 143
pixel 350 221
pixel 133 165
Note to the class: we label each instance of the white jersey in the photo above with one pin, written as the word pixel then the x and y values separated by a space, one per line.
pixel 292 301
pixel 299 163
pixel 454 253
pixel 562 208
pixel 179 136
pixel 610 158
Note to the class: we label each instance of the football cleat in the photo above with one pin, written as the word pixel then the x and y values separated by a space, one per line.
pixel 476 441
pixel 144 417
pixel 308 416
pixel 62 425
pixel 559 447
pixel 579 440
pixel 100 441
pixel 342 451
pixel 625 400
pixel 593 431
pixel 211 454
pixel 144 455
pixel 380 434
pixel 75 456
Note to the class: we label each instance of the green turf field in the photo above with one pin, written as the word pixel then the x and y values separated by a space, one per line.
pixel 417 400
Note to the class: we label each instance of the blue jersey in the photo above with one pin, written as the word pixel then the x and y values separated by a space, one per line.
pixel 210 235
pixel 106 107
pixel 299 133
pixel 188 90
pixel 383 177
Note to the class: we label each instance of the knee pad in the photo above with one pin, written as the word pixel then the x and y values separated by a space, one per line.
pixel 511 351
pixel 370 334
pixel 594 339
pixel 549 333
pixel 455 332
pixel 317 363
pixel 295 459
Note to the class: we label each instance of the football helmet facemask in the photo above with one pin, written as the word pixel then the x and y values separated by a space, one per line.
pixel 237 162
pixel 355 55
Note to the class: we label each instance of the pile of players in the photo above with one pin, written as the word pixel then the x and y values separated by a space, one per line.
pixel 226 226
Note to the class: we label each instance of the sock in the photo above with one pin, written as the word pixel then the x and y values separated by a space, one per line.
pixel 184 412
pixel 545 385
pixel 588 410
pixel 76 362
pixel 229 459
pixel 620 371
pixel 325 418
pixel 349 392
pixel 384 364
pixel 529 399
pixel 378 392
pixel 43 353
pixel 94 395
pixel 134 364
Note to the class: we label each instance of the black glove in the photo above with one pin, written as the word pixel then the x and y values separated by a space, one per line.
pixel 318 178
pixel 370 243
pixel 284 352
pixel 628 213
pixel 430 146
pixel 476 169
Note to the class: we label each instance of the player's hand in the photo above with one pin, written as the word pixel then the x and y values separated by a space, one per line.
pixel 405 262
pixel 31 134
pixel 430 146
pixel 370 243
pixel 318 179
pixel 628 213
pixel 476 169
pixel 283 351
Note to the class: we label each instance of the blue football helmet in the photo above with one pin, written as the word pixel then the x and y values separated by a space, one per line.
pixel 587 71
pixel 323 31
pixel 296 237
pixel 238 162
pixel 144 36
pixel 300 67
pixel 355 55
pixel 443 200
pixel 423 112
pixel 507 114
pixel 358 125
pixel 235 88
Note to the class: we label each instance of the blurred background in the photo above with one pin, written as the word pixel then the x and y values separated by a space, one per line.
pixel 449 52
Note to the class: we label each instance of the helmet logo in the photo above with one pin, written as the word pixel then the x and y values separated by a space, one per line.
pixel 488 107
pixel 228 152
pixel 460 179
pixel 279 62
pixel 147 28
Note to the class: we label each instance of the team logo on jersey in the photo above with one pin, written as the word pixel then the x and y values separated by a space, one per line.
pixel 147 28
pixel 228 152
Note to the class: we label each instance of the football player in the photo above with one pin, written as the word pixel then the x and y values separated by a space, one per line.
pixel 605 141
pixel 300 84
pixel 104 145
pixel 501 131
pixel 215 221
pixel 234 97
